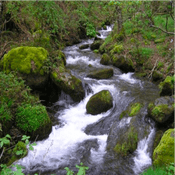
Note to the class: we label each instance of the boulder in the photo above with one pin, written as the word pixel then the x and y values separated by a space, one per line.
pixel 29 62
pixel 101 74
pixel 105 59
pixel 162 110
pixel 68 83
pixel 96 44
pixel 100 102
pixel 84 46
pixel 123 63
pixel 164 153
pixel 167 86
pixel 33 120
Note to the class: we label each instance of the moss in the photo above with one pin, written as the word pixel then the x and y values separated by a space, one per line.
pixel 159 112
pixel 96 51
pixel 157 76
pixel 124 113
pixel 164 152
pixel 161 40
pixel 105 60
pixel 129 144
pixel 31 118
pixel 25 60
pixel 100 102
pixel 54 75
pixel 166 87
pixel 117 49
pixel 135 108
pixel 20 146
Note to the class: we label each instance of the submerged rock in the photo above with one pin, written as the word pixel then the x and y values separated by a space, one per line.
pixel 101 74
pixel 164 152
pixel 162 110
pixel 29 62
pixel 68 83
pixel 85 46
pixel 125 64
pixel 100 102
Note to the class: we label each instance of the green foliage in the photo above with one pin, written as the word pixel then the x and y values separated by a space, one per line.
pixel 29 118
pixel 5 140
pixel 8 171
pixel 90 30
pixel 82 170
pixel 160 65
pixel 117 49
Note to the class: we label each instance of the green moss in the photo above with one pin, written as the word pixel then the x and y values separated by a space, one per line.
pixel 161 40
pixel 96 51
pixel 25 60
pixel 164 152
pixel 129 144
pixel 117 49
pixel 135 108
pixel 160 65
pixel 54 75
pixel 124 113
pixel 30 118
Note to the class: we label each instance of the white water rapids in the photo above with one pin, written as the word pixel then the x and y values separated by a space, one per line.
pixel 60 147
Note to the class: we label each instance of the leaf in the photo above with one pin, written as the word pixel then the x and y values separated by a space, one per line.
pixel 31 148
pixel 8 136
pixel 19 152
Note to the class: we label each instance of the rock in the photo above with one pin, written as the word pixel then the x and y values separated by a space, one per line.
pixel 157 76
pixel 125 64
pixel 34 121
pixel 162 110
pixel 101 74
pixel 167 86
pixel 105 60
pixel 96 38
pixel 84 46
pixel 164 152
pixel 104 27
pixel 68 83
pixel 127 143
pixel 100 102
pixel 29 62
pixel 98 34
pixel 96 44
pixel 157 138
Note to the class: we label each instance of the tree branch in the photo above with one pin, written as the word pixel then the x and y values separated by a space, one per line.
pixel 171 33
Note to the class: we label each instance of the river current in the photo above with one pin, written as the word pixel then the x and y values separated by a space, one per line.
pixel 81 137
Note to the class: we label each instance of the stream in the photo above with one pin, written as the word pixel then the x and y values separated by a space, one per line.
pixel 81 137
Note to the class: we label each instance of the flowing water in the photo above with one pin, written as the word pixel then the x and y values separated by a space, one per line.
pixel 81 137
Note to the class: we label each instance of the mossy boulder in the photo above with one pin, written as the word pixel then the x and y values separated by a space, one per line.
pixel 18 152
pixel 33 120
pixel 164 152
pixel 167 86
pixel 29 62
pixel 157 138
pixel 123 63
pixel 162 110
pixel 101 74
pixel 127 143
pixel 96 44
pixel 157 76
pixel 68 83
pixel 105 59
pixel 100 102
pixel 84 46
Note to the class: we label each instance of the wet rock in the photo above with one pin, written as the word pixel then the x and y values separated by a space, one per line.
pixel 164 152
pixel 85 46
pixel 68 83
pixel 105 60
pixel 162 110
pixel 96 44
pixel 29 62
pixel 100 102
pixel 167 86
pixel 96 38
pixel 123 63
pixel 157 138
pixel 101 74
pixel 105 27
